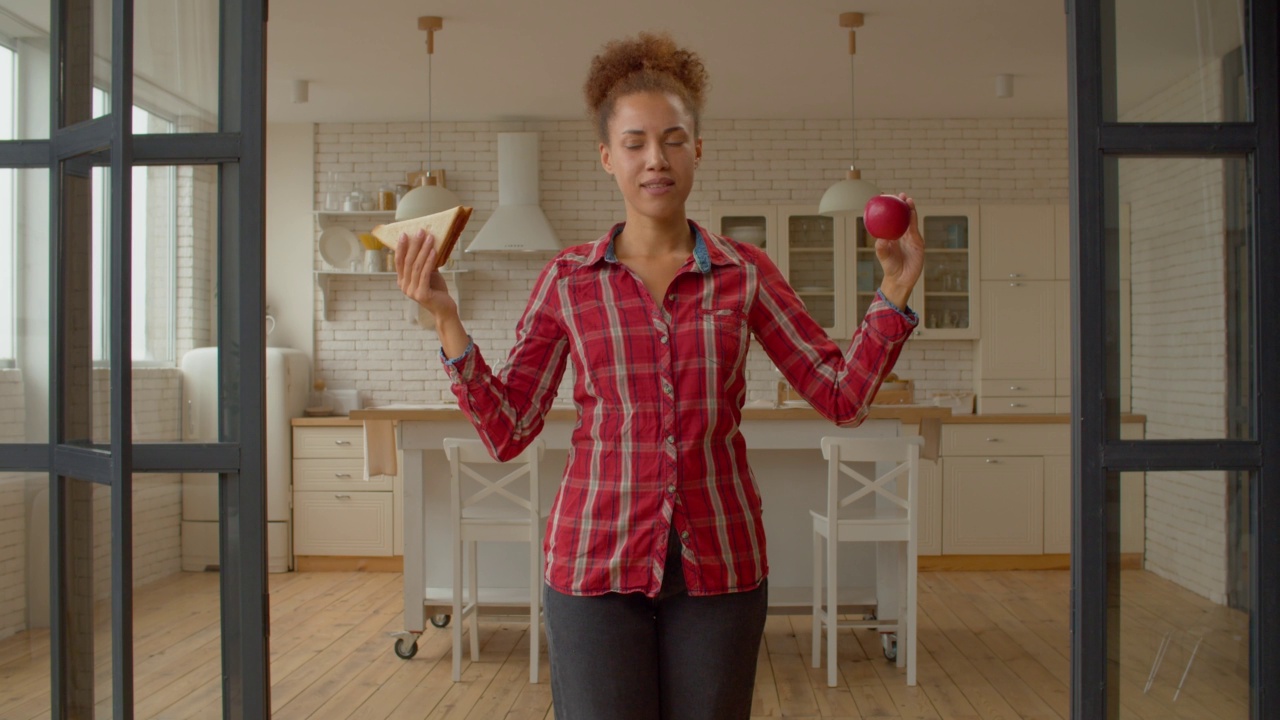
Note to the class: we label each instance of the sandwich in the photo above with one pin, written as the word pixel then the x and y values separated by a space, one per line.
pixel 445 226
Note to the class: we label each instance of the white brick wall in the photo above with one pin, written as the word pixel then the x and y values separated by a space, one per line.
pixel 13 517
pixel 1179 335
pixel 368 343
pixel 157 500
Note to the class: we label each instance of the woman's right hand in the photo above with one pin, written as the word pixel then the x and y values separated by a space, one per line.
pixel 418 277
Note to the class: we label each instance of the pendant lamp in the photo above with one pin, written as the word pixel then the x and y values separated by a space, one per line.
pixel 849 196
pixel 429 197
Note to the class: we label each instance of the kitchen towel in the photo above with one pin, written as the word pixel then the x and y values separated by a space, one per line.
pixel 379 448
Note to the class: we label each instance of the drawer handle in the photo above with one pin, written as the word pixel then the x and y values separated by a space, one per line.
pixel 1015 284
pixel 991 439
pixel 992 461
pixel 1017 404
pixel 344 476
pixel 338 496
pixel 1015 275
pixel 1015 387
pixel 341 442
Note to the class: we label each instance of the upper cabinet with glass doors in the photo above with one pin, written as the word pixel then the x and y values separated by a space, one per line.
pixel 809 249
pixel 946 296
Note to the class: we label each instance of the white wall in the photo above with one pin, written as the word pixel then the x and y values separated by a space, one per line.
pixel 370 345
pixel 290 234
pixel 1179 335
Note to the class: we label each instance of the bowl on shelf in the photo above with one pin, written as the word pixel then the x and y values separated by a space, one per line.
pixel 749 234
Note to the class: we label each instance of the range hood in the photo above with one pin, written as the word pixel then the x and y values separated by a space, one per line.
pixel 517 224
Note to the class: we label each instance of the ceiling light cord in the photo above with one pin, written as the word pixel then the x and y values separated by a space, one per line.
pixel 430 107
pixel 853 121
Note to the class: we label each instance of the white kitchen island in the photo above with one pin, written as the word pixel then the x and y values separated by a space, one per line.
pixel 785 459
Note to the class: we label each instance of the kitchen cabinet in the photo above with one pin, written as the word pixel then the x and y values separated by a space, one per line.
pixel 810 250
pixel 993 487
pixel 1057 500
pixel 929 503
pixel 831 263
pixel 812 254
pixel 335 510
pixel 946 296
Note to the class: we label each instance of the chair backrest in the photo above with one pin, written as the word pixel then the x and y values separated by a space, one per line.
pixel 470 486
pixel 887 488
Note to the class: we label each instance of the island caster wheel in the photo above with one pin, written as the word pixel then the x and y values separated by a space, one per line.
pixel 406 649
pixel 889 642
pixel 440 621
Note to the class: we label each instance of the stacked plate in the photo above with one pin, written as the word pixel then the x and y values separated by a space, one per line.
pixel 339 247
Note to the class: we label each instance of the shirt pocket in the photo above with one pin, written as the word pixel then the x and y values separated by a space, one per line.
pixel 724 331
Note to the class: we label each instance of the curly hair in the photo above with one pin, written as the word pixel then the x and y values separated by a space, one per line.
pixel 650 61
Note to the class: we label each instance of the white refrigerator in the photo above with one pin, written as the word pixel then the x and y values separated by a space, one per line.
pixel 288 382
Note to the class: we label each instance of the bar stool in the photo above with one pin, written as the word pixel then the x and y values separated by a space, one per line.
pixel 888 515
pixel 484 509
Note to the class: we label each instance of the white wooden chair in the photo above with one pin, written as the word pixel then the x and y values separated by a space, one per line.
pixel 485 509
pixel 887 513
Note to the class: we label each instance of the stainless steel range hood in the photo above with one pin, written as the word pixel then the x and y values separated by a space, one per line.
pixel 518 223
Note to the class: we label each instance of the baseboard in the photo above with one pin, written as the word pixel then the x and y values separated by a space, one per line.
pixel 348 563
pixel 1062 561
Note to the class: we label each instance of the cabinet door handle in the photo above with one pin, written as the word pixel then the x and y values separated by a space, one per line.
pixel 344 476
pixel 341 442
pixel 338 496
pixel 992 461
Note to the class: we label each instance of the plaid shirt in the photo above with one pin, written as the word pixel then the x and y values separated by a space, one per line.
pixel 659 392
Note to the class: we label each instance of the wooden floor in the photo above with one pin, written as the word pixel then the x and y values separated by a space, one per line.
pixel 993 645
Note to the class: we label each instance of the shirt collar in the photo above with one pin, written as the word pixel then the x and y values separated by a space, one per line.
pixel 704 254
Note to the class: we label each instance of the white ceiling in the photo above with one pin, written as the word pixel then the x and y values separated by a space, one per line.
pixel 517 60
pixel 768 59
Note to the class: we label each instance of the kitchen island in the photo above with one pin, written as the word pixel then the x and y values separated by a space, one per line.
pixel 785 459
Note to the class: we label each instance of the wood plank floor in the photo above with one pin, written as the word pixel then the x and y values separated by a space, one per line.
pixel 993 645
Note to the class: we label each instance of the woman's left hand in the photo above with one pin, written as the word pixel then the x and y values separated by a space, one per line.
pixel 902 260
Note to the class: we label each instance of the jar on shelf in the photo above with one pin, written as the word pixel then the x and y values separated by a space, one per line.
pixel 387 197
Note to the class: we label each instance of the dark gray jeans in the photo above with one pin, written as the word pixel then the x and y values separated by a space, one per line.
pixel 630 657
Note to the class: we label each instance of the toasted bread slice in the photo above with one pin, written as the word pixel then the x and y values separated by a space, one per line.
pixel 445 226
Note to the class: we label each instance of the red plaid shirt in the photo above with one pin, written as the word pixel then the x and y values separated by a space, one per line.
pixel 659 392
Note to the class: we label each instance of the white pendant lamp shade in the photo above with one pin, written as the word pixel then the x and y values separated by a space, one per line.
pixel 847 197
pixel 429 197
pixel 426 199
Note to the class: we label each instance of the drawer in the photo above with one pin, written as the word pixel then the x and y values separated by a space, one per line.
pixel 1004 439
pixel 343 523
pixel 1017 388
pixel 339 474
pixel 328 442
pixel 1017 405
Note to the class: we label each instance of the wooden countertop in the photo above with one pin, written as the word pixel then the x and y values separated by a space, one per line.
pixel 909 415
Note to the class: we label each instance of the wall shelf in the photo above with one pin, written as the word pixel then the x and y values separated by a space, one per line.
pixel 324 279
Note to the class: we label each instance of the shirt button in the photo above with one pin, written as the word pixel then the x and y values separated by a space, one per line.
pixel 666 387
pixel 663 339
pixel 671 439
pixel 671 489
pixel 684 535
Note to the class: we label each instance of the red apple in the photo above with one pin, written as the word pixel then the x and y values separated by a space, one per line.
pixel 886 217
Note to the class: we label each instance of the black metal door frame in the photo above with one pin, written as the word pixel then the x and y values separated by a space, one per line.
pixel 76 143
pixel 1097 452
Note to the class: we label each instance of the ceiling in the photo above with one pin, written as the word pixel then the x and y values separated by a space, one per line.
pixel 512 60
pixel 498 60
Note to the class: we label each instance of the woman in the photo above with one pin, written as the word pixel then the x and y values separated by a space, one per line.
pixel 656 568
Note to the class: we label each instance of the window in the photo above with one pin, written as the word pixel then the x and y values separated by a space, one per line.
pixel 154 250
pixel 8 207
